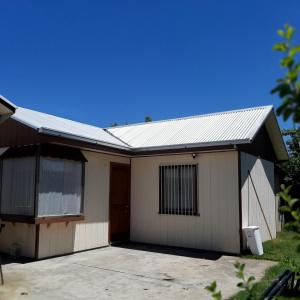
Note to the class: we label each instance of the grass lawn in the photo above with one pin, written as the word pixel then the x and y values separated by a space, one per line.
pixel 283 250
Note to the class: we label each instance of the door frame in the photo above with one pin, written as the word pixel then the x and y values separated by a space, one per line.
pixel 128 165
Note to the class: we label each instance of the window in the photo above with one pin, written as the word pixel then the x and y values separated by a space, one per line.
pixel 60 187
pixel 18 186
pixel 178 189
pixel 42 181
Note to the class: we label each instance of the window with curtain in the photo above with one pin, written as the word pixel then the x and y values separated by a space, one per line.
pixel 18 186
pixel 178 189
pixel 60 187
pixel 41 181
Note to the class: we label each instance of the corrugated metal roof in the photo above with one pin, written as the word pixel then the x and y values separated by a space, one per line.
pixel 224 128
pixel 231 127
pixel 53 125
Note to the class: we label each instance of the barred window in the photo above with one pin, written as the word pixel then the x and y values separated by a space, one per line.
pixel 178 189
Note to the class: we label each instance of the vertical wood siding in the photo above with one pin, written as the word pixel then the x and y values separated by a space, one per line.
pixel 217 227
pixel 262 173
pixel 61 238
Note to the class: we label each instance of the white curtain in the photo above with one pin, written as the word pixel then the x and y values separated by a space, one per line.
pixel 59 187
pixel 178 189
pixel 18 186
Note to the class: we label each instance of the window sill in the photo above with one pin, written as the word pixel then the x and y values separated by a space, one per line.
pixel 40 220
pixel 179 214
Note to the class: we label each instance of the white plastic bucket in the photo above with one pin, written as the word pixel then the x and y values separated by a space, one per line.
pixel 254 240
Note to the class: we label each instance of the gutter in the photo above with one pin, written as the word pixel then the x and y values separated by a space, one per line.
pixel 192 146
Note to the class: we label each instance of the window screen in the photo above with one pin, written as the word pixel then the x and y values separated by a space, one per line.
pixel 18 186
pixel 60 187
pixel 178 189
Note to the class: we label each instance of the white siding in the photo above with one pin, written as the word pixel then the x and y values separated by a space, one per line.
pixel 22 234
pixel 64 238
pixel 262 173
pixel 217 227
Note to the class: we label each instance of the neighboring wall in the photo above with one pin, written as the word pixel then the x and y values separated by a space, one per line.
pixel 217 227
pixel 262 173
pixel 61 238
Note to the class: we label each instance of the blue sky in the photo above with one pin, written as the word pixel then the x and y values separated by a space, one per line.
pixel 101 62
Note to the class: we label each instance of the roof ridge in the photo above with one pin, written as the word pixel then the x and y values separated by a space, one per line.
pixel 191 117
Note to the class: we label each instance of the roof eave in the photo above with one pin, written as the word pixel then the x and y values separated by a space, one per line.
pixel 52 132
pixel 7 108
pixel 191 145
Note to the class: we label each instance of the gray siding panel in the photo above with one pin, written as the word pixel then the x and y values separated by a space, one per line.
pixel 262 173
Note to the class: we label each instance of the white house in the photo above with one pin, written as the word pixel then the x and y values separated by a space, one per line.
pixel 68 186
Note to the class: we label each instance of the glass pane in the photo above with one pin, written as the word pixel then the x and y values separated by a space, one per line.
pixel 18 186
pixel 59 187
pixel 188 189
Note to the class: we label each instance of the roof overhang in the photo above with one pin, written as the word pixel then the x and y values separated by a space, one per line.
pixel 51 132
pixel 7 109
pixel 276 138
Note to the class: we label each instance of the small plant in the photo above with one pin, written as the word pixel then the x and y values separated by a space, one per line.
pixel 212 288
pixel 289 208
pixel 246 284
pixel 294 224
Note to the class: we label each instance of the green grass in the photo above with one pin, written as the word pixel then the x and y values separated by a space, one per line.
pixel 282 250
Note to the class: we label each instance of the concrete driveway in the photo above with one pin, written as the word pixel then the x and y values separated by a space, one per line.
pixel 129 272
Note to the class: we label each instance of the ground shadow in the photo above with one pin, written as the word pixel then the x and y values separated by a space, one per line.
pixel 193 253
pixel 7 259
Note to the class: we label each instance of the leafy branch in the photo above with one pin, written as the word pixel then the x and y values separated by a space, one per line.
pixel 288 87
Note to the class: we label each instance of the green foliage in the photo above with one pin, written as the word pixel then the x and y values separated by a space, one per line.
pixel 289 207
pixel 148 119
pixel 288 87
pixel 246 284
pixel 284 253
pixel 212 288
pixel 291 168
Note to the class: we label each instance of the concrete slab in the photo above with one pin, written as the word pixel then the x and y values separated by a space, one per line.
pixel 129 272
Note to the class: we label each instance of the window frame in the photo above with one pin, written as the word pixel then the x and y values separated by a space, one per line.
pixel 181 211
pixel 36 151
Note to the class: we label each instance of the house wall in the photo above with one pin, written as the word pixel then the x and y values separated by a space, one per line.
pixel 21 234
pixel 262 173
pixel 61 238
pixel 217 227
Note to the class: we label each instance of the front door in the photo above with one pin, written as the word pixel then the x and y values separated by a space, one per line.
pixel 119 208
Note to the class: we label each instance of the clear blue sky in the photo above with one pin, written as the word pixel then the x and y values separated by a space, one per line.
pixel 117 61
